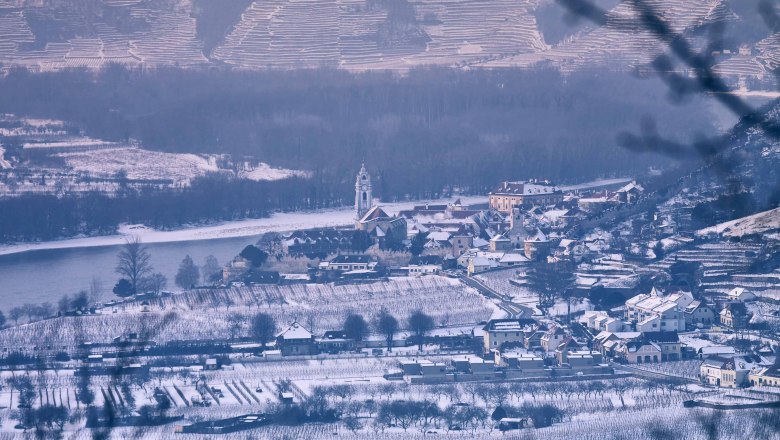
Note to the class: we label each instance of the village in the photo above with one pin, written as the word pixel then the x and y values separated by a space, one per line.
pixel 581 297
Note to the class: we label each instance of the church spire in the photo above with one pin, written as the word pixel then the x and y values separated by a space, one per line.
pixel 363 193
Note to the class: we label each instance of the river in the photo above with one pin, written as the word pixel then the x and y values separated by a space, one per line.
pixel 40 272
pixel 45 275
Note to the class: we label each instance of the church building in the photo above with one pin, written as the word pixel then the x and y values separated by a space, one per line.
pixel 388 231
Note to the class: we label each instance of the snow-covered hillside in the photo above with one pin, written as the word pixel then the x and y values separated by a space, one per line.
pixel 763 222
pixel 350 34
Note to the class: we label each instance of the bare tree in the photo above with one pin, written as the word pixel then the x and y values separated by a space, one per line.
pixel 210 269
pixel 63 305
pixel 16 313
pixel 263 328
pixel 387 325
pixel 420 324
pixel 235 324
pixel 95 290
pixel 188 275
pixel 156 282
pixel 134 262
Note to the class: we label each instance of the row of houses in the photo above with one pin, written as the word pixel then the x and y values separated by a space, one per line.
pixel 739 371
pixel 655 312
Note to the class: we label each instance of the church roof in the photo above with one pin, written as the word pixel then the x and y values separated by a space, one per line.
pixel 373 214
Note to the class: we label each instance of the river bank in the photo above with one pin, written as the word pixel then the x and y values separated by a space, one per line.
pixel 278 222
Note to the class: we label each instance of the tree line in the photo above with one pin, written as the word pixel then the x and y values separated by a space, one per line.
pixel 421 133
pixel 208 199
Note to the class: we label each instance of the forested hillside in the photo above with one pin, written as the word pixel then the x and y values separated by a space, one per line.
pixel 420 134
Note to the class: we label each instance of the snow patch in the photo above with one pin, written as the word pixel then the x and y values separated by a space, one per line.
pixel 263 171
pixel 139 164
pixel 4 164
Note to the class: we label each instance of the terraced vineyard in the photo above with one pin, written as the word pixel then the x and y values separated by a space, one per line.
pixel 725 266
pixel 352 34
pixel 202 314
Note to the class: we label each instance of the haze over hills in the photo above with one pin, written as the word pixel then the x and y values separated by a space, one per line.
pixel 369 34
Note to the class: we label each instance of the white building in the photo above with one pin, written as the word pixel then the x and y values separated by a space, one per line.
pixel 654 313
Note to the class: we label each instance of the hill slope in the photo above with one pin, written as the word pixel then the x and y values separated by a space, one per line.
pixel 350 34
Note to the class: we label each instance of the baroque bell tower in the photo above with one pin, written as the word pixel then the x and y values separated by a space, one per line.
pixel 363 198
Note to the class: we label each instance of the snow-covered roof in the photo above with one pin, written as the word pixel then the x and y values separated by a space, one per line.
pixel 717 349
pixel 479 242
pixel 374 213
pixel 294 331
pixel 480 261
pixel 524 188
pixel 511 257
pixel 539 237
pixel 633 186
pixel 439 236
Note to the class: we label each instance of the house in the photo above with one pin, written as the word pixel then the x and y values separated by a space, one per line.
pixel 318 242
pixel 699 314
pixel 423 370
pixel 716 350
pixel 766 376
pixel 639 352
pixel 740 294
pixel 552 338
pixel 573 216
pixel 629 193
pixel 424 265
pixel 498 332
pixel 349 263
pixel 262 277
pixel 583 358
pixel 536 246
pixel 295 340
pixel 461 243
pixel 513 423
pixel 499 243
pixel 235 269
pixel 511 194
pixel 533 335
pixel 607 343
pixel 569 249
pixel 511 259
pixel 481 264
pixel 727 372
pixel 476 367
pixel 734 315
pixel 520 360
pixel 562 350
pixel 588 319
pixel 668 342
pixel 334 341
pixel 683 299
pixel 653 312
pixel 386 230
pixel 602 322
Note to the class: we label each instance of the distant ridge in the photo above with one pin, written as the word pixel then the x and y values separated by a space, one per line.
pixel 347 34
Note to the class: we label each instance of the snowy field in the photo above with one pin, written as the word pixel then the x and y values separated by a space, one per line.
pixel 203 314
pixel 592 409
pixel 279 222
pixel 140 164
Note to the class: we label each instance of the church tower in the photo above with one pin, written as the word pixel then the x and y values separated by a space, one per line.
pixel 363 198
